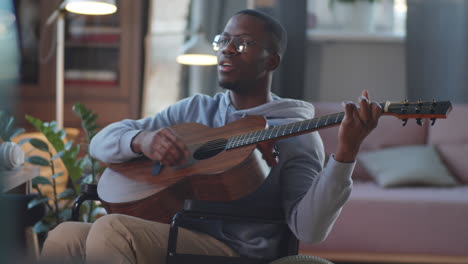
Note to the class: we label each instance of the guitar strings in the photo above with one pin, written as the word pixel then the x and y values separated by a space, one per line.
pixel 251 136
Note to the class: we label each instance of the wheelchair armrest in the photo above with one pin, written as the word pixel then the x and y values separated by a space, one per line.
pixel 231 211
pixel 226 211
pixel 88 192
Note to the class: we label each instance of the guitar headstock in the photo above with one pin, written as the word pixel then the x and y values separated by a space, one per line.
pixel 418 110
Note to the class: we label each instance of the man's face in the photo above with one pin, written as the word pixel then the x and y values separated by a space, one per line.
pixel 240 71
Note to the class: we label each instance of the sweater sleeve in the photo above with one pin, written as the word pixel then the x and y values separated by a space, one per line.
pixel 113 143
pixel 313 197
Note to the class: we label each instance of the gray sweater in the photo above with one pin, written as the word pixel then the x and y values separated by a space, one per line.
pixel 311 196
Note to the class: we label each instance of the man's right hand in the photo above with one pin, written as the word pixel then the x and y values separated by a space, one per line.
pixel 161 145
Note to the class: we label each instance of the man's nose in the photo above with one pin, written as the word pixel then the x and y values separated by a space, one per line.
pixel 229 48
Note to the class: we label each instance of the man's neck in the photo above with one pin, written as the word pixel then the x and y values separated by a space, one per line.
pixel 258 94
pixel 246 101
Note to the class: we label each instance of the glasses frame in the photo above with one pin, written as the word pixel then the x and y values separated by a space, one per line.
pixel 237 41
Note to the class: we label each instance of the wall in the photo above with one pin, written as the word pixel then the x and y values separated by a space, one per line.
pixel 437 50
pixel 340 70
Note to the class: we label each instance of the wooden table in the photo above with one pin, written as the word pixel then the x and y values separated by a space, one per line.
pixel 18 180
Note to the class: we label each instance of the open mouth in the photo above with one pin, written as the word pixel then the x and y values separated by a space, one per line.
pixel 226 67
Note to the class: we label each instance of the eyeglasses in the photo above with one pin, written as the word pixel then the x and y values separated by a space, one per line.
pixel 240 44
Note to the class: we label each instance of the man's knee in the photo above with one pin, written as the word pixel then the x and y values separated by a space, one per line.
pixel 67 240
pixel 112 228
pixel 69 233
pixel 111 222
pixel 128 238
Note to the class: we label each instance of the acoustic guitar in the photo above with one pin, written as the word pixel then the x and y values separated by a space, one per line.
pixel 223 165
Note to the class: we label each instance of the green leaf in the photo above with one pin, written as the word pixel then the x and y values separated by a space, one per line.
pixel 25 140
pixel 7 129
pixel 41 227
pixel 37 201
pixel 41 180
pixel 68 193
pixel 15 132
pixel 62 134
pixel 85 163
pixel 56 175
pixel 39 144
pixel 65 214
pixel 68 145
pixel 96 211
pixel 49 131
pixel 74 151
pixel 7 126
pixel 88 119
pixel 58 155
pixel 37 160
pixel 55 138
pixel 88 179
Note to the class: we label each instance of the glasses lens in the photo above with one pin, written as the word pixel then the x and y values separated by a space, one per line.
pixel 220 42
pixel 216 44
pixel 240 45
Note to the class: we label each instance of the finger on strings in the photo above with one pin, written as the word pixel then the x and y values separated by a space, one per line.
pixel 268 152
pixel 365 93
pixel 169 159
pixel 355 113
pixel 178 142
pixel 376 111
pixel 349 108
pixel 364 111
pixel 176 153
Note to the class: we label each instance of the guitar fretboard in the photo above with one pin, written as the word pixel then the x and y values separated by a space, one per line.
pixel 286 130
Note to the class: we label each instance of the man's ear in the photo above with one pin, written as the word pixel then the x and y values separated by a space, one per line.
pixel 273 61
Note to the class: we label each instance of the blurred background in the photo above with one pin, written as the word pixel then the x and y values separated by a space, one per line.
pixel 123 65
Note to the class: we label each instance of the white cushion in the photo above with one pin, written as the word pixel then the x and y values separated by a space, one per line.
pixel 408 165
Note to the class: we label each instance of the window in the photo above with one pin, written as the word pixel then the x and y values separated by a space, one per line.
pixel 368 16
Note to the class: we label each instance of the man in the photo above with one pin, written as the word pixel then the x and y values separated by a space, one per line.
pixel 249 50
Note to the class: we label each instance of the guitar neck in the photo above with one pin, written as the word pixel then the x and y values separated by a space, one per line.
pixel 287 130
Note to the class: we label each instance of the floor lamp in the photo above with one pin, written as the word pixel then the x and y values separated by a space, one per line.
pixel 85 7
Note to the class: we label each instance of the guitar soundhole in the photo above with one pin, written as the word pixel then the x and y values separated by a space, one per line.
pixel 210 149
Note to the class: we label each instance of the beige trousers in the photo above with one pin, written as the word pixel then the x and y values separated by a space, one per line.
pixel 118 238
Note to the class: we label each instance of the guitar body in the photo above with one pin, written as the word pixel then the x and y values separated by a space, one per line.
pixel 224 176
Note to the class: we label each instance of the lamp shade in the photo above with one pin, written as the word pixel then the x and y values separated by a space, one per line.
pixel 91 7
pixel 197 51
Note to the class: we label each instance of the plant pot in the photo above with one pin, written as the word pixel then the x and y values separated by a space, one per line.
pixel 355 16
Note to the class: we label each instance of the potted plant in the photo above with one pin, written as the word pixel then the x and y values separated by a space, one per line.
pixel 354 15
pixel 81 169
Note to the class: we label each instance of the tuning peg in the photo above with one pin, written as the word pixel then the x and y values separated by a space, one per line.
pixel 433 121
pixel 418 107
pixel 405 102
pixel 405 121
pixel 419 122
pixel 434 102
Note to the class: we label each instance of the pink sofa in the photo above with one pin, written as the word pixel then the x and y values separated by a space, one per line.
pixel 411 224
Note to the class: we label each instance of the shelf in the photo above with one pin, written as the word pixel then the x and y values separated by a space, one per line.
pixel 330 35
pixel 92 44
pixel 74 44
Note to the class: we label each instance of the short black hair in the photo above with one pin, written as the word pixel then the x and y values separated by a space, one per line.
pixel 272 26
